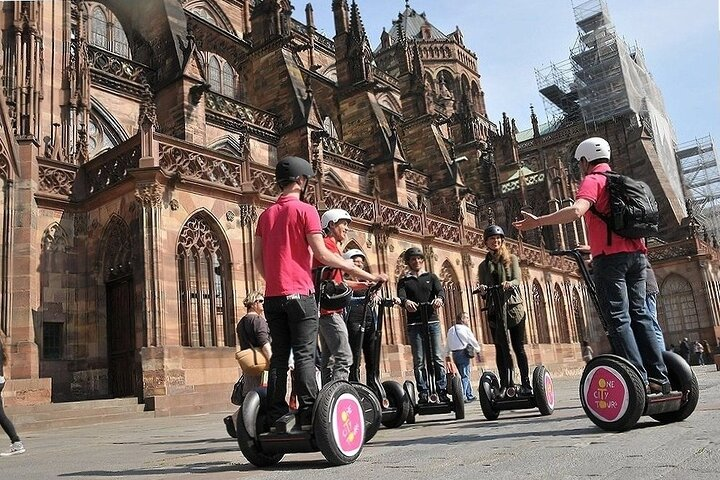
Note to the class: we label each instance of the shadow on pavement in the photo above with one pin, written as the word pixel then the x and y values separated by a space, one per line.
pixel 210 467
pixel 483 436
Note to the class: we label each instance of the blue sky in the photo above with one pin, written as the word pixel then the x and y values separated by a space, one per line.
pixel 680 40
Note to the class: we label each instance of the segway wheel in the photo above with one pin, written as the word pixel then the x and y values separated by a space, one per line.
pixel 252 415
pixel 399 401
pixel 612 393
pixel 409 388
pixel 487 389
pixel 458 397
pixel 339 423
pixel 543 390
pixel 372 410
pixel 682 379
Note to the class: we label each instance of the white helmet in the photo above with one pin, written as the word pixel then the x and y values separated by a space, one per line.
pixel 334 215
pixel 593 149
pixel 354 252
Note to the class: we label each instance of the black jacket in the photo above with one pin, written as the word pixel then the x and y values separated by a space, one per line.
pixel 425 288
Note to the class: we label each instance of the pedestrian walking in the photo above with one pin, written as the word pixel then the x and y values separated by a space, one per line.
pixel 16 446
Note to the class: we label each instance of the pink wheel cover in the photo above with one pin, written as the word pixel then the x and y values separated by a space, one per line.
pixel 549 390
pixel 606 394
pixel 348 424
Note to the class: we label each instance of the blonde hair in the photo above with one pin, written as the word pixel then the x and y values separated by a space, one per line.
pixel 252 298
pixel 502 255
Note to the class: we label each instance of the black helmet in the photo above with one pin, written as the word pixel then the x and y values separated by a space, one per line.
pixel 412 252
pixel 492 230
pixel 290 169
pixel 334 296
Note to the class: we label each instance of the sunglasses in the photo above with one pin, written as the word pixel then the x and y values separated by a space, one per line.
pixel 262 300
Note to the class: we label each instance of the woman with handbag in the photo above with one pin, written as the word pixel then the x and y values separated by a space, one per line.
pixel 506 313
pixel 463 345
pixel 253 333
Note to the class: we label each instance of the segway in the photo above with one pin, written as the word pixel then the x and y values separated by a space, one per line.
pixel 612 392
pixel 337 431
pixel 368 399
pixel 433 406
pixel 493 400
pixel 393 401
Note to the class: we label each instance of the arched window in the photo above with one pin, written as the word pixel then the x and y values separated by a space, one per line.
pixel 107 32
pixel 228 81
pixel 206 318
pixel 221 76
pixel 563 326
pixel 98 28
pixel 119 40
pixel 676 308
pixel 214 74
pixel 541 320
pixel 329 127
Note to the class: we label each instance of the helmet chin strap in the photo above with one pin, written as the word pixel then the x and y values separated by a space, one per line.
pixel 304 189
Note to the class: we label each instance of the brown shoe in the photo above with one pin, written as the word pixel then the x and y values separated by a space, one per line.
pixel 656 387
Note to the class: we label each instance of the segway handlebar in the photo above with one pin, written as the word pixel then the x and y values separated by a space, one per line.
pixel 372 290
pixel 488 288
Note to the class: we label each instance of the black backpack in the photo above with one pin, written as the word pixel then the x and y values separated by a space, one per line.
pixel 633 209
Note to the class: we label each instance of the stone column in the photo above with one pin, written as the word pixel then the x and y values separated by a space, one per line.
pixel 25 253
pixel 149 196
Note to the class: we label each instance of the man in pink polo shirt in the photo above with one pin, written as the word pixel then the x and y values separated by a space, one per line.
pixel 288 234
pixel 618 266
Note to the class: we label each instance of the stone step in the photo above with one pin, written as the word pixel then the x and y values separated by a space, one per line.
pixel 203 400
pixel 55 415
pixel 79 405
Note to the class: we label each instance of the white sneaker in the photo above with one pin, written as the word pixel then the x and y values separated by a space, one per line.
pixel 15 449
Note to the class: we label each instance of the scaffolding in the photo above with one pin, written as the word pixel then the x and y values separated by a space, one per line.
pixel 604 79
pixel 697 162
pixel 556 83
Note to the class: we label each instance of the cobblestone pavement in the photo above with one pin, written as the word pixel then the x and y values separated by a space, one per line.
pixel 519 445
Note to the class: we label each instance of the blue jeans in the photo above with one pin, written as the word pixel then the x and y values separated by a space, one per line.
pixel 651 305
pixel 620 282
pixel 416 335
pixel 462 362
pixel 293 324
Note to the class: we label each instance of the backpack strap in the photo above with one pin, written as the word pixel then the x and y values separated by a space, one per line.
pixel 604 218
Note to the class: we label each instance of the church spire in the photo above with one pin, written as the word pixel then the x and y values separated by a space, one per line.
pixel 357 29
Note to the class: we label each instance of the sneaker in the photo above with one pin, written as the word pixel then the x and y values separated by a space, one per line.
pixel 15 448
pixel 469 399
pixel 443 396
pixel 423 397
